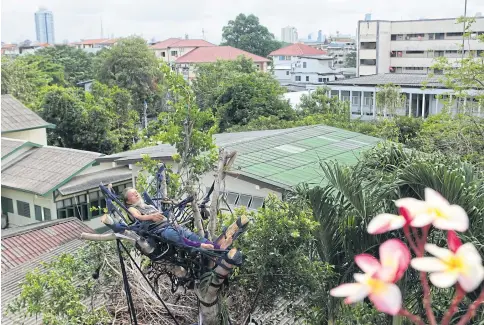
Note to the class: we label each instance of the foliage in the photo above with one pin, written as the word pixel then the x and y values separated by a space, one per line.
pixel 63 291
pixel 350 60
pixel 77 65
pixel 22 78
pixel 280 257
pixel 148 168
pixel 130 64
pixel 318 102
pixel 246 33
pixel 389 98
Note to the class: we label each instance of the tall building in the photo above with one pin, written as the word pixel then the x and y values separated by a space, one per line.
pixel 44 26
pixel 411 46
pixel 289 34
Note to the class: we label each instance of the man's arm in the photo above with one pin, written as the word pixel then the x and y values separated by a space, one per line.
pixel 148 217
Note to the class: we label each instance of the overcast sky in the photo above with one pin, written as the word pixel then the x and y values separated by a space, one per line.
pixel 76 19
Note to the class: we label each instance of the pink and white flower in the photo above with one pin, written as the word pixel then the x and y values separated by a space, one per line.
pixel 448 267
pixel 378 280
pixel 435 210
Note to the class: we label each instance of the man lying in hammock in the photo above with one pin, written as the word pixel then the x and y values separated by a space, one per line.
pixel 149 214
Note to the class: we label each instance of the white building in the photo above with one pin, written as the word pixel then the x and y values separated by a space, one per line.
pixel 410 46
pixel 419 101
pixel 313 71
pixel 289 34
pixel 171 49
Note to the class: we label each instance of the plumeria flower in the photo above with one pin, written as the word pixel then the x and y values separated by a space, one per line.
pixel 435 210
pixel 462 263
pixel 378 280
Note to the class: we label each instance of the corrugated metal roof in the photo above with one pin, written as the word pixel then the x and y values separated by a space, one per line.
pixel 10 145
pixel 41 170
pixel 292 157
pixel 400 79
pixel 16 117
pixel 23 244
pixel 92 180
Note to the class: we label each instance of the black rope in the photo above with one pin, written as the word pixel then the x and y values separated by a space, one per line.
pixel 132 311
pixel 149 283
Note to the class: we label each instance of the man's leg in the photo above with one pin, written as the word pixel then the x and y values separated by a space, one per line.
pixel 188 234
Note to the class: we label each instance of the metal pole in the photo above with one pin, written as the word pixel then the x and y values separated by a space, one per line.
pixel 463 31
pixel 145 118
pixel 132 311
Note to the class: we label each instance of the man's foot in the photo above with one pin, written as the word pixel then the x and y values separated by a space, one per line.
pixel 206 246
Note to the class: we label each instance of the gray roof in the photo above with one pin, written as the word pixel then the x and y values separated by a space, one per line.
pixel 17 117
pixel 92 180
pixel 166 151
pixel 400 79
pixel 9 146
pixel 42 170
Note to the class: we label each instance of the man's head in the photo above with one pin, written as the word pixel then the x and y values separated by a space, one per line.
pixel 131 196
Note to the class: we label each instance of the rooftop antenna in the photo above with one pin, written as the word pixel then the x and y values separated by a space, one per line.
pixel 102 31
pixel 203 33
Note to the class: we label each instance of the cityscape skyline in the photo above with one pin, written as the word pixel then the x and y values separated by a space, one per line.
pixel 150 19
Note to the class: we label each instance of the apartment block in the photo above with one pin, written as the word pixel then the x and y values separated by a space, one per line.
pixel 411 46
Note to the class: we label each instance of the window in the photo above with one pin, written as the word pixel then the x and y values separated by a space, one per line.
pixel 320 79
pixel 23 209
pixel 368 45
pixel 415 52
pixel 439 35
pixel 163 54
pixel 431 36
pixel 304 64
pixel 298 78
pixel 244 200
pixel 368 61
pixel 454 34
pixel 257 202
pixel 173 53
pixel 325 79
pixel 307 78
pixel 38 212
pixel 7 205
pixel 287 73
pixel 414 68
pixel 438 53
pixel 480 52
pixel 232 198
pixel 355 100
pixel 47 215
pixel 438 71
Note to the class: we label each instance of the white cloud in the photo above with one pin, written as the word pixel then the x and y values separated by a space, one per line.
pixel 161 19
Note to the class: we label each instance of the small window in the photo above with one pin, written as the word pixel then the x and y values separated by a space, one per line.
pixel 257 202
pixel 320 79
pixel 174 53
pixel 415 52
pixel 244 200
pixel 81 199
pixel 163 54
pixel 287 73
pixel 454 34
pixel 7 205
pixel 298 78
pixel 232 198
pixel 62 214
pixel 282 57
pixel 307 78
pixel 47 215
pixel 431 36
pixel 438 53
pixel 23 209
pixel 304 64
pixel 67 202
pixel 59 204
pixel 38 212
pixel 439 35
pixel 93 196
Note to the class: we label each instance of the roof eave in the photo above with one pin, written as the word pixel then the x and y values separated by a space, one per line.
pixel 46 126
pixel 28 143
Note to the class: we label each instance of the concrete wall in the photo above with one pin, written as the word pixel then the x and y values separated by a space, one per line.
pixel 38 136
pixel 15 219
pixel 383 47
pixel 282 74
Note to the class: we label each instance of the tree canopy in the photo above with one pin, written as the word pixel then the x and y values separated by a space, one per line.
pixel 246 33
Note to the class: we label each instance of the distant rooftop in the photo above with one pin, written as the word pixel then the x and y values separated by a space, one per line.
pixel 17 117
pixel 213 53
pixel 178 42
pixel 401 79
pixel 297 49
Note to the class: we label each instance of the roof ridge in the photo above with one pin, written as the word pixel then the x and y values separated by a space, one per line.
pixel 71 149
pixel 42 225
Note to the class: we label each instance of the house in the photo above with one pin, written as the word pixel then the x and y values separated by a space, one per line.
pixel 420 100
pixel 268 162
pixel 94 45
pixel 411 46
pixel 26 248
pixel 187 63
pixel 41 182
pixel 23 48
pixel 171 49
pixel 313 71
pixel 285 55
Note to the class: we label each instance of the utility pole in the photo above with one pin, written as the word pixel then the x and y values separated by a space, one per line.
pixel 464 30
pixel 102 31
pixel 145 118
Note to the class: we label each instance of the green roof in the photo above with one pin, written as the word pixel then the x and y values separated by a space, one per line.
pixel 289 158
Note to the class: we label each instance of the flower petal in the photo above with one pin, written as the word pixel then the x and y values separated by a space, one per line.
pixel 385 222
pixel 443 279
pixel 427 264
pixel 367 263
pixel 450 224
pixel 346 290
pixel 361 294
pixel 395 258
pixel 387 299
pixel 442 253
pixel 459 216
pixel 472 279
pixel 469 253
pixel 421 219
pixel 453 241
pixel 410 207
pixel 434 198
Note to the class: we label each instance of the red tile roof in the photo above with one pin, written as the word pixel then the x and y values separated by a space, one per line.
pixel 214 53
pixel 178 42
pixel 297 49
pixel 24 244
pixel 95 41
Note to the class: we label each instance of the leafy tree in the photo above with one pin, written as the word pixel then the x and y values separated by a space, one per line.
pixel 388 99
pixel 350 60
pixel 22 79
pixel 246 33
pixel 318 102
pixel 77 64
pixel 53 70
pixel 130 64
